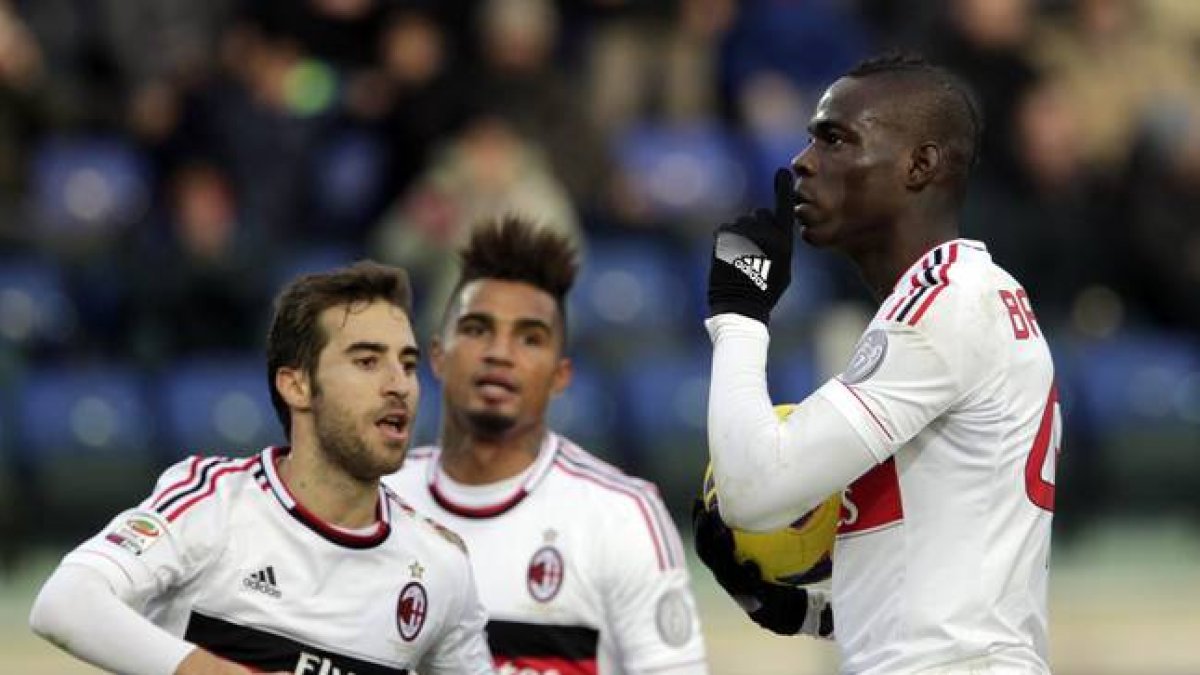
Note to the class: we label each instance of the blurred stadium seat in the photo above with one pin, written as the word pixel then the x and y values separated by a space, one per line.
pixel 35 307
pixel 430 409
pixel 87 187
pixel 1141 381
pixel 664 415
pixel 792 374
pixel 85 436
pixel 587 411
pixel 11 498
pixel 766 152
pixel 1140 393
pixel 631 293
pixel 217 406
pixel 300 260
pixel 348 181
pixel 683 171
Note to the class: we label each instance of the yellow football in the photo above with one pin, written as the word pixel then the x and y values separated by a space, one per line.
pixel 795 555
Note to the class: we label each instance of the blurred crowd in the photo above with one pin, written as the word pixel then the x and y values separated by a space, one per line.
pixel 166 164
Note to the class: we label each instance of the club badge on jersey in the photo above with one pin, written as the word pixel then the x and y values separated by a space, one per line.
pixel 545 575
pixel 411 610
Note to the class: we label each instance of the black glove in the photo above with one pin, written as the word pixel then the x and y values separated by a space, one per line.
pixel 752 257
pixel 784 610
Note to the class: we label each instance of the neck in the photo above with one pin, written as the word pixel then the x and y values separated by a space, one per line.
pixel 472 460
pixel 882 263
pixel 326 490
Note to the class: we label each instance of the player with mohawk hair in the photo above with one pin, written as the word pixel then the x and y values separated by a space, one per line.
pixel 579 566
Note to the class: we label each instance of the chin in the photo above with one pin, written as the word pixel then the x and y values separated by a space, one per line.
pixel 489 423
pixel 813 236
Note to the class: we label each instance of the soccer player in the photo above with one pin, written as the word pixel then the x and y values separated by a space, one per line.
pixel 579 566
pixel 294 559
pixel 942 431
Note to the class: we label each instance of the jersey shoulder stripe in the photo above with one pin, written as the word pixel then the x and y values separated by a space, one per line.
pixel 925 284
pixel 423 520
pixel 573 461
pixel 199 484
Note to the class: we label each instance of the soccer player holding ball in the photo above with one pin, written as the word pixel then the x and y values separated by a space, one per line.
pixel 941 433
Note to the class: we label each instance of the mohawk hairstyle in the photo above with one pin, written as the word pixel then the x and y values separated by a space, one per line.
pixel 948 107
pixel 514 248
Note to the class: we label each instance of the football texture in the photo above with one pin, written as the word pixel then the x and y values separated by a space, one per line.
pixel 801 553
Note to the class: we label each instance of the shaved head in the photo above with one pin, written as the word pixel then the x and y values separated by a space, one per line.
pixel 932 105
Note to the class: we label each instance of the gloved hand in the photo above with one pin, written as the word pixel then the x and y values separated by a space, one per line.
pixel 752 257
pixel 784 610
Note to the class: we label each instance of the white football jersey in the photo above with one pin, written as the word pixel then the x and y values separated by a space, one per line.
pixel 943 548
pixel 579 566
pixel 223 556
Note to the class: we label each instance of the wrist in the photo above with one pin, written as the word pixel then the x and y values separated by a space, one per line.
pixel 743 307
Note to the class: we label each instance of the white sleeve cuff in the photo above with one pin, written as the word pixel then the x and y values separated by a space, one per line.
pixel 730 324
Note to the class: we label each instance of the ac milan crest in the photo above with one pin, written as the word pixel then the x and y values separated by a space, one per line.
pixel 545 575
pixel 410 610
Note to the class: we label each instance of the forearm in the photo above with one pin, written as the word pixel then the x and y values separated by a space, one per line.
pixel 79 611
pixel 768 473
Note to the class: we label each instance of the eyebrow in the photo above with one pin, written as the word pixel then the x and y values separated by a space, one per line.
pixel 825 126
pixel 380 348
pixel 526 322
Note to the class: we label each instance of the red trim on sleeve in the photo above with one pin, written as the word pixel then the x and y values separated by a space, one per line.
pixel 868 409
pixel 578 472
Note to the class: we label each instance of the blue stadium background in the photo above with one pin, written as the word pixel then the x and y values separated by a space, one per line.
pixel 166 165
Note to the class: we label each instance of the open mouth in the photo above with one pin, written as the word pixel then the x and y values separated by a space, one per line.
pixel 394 425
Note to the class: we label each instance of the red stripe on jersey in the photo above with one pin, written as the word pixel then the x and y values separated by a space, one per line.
pixel 645 489
pixel 943 278
pixel 212 486
pixel 868 409
pixel 591 476
pixel 465 511
pixel 914 286
pixel 191 476
pixel 546 664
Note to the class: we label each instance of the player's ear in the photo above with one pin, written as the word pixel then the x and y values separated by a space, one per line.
pixel 295 386
pixel 924 164
pixel 562 376
pixel 437 355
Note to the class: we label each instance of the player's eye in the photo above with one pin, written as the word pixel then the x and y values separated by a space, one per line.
pixel 471 328
pixel 535 338
pixel 367 362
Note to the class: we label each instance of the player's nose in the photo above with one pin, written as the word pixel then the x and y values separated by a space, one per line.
pixel 804 163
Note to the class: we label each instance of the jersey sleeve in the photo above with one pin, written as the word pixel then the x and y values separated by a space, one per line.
pixel 649 607
pixel 462 649
pixel 164 541
pixel 904 374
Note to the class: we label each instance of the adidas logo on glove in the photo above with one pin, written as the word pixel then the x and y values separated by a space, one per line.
pixel 745 256
pixel 755 267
